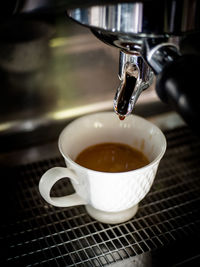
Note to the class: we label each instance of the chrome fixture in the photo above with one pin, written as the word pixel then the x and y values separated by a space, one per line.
pixel 135 76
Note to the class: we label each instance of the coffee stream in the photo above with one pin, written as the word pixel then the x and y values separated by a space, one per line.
pixel 124 99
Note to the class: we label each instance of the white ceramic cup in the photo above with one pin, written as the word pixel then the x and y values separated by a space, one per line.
pixel 109 197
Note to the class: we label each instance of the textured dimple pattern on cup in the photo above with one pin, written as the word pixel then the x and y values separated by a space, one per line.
pixel 126 191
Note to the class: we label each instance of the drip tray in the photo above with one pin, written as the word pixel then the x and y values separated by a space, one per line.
pixel 163 232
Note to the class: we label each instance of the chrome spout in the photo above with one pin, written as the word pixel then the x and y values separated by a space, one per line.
pixel 135 76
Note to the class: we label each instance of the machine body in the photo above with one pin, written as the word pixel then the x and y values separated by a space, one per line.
pixel 149 35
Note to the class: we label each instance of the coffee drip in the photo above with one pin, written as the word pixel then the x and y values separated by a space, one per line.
pixel 135 76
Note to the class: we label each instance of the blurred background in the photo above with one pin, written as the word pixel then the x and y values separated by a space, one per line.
pixel 53 70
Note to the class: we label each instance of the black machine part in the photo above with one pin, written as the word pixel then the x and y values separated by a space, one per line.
pixel 178 85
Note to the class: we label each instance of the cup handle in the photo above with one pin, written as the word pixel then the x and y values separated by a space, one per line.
pixel 47 181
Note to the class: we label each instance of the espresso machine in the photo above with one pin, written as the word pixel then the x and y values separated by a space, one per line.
pixel 53 69
pixel 153 38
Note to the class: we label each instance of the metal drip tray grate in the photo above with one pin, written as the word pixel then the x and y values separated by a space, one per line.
pixel 34 233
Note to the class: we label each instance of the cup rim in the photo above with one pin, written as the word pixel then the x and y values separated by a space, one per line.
pixel 152 163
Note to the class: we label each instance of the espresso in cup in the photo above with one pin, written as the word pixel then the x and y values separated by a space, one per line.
pixel 111 157
pixel 121 158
